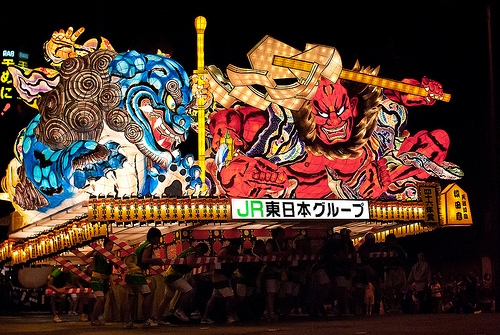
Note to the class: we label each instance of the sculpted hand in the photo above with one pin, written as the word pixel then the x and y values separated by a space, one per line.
pixel 253 177
pixel 434 89
pixel 434 92
pixel 186 173
pixel 62 46
pixel 200 87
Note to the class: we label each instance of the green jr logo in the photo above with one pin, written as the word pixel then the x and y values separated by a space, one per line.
pixel 255 206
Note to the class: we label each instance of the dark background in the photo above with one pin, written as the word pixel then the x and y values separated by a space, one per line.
pixel 443 40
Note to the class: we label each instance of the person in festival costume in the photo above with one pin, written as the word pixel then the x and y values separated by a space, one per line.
pixel 246 277
pixel 175 281
pixel 221 282
pixel 59 281
pixel 138 262
pixel 99 283
pixel 395 281
pixel 296 274
pixel 274 272
pixel 84 299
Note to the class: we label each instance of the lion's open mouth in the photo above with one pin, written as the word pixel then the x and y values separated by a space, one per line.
pixel 165 137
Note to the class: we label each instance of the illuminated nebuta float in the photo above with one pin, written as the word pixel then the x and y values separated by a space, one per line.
pixel 109 126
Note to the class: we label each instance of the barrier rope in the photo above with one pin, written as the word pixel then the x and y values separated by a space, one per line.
pixel 71 268
pixel 70 290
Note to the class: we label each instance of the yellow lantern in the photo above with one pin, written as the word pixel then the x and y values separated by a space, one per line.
pixel 2 252
pixel 58 240
pixel 50 243
pixel 93 209
pixel 108 208
pixel 103 229
pixel 15 256
pixel 78 232
pixel 161 209
pixel 33 249
pixel 43 245
pixel 148 209
pixel 25 252
pixel 142 210
pixel 120 210
pixel 127 209
pixel 66 237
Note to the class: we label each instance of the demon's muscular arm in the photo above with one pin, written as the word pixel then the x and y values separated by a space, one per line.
pixel 377 175
pixel 434 89
pixel 413 158
pixel 243 125
pixel 245 176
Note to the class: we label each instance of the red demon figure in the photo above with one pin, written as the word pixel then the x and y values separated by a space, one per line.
pixel 348 142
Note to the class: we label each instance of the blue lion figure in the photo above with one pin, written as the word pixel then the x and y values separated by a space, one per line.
pixel 111 125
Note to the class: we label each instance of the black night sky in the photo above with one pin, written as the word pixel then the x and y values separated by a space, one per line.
pixel 443 40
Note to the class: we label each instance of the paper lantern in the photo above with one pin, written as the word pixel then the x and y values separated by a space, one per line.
pixel 93 209
pixel 108 209
pixel 127 209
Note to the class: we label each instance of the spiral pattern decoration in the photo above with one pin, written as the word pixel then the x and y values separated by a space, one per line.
pixel 71 66
pixel 174 89
pixel 84 97
pixel 86 84
pixel 55 133
pixel 117 119
pixel 99 62
pixel 52 102
pixel 83 116
pixel 110 96
pixel 134 132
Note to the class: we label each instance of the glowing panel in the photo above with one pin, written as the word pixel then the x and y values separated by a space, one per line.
pixel 455 208
pixel 267 59
pixel 293 209
pixel 429 198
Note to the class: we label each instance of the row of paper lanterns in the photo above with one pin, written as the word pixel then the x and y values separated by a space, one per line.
pixel 145 209
pixel 53 242
pixel 397 210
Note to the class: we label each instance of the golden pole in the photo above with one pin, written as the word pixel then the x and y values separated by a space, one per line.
pixel 200 24
pixel 361 78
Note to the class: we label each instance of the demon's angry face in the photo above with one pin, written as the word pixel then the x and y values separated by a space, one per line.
pixel 155 93
pixel 334 112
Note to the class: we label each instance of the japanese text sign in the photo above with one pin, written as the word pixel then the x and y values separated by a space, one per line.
pixel 299 209
pixel 456 206
pixel 430 201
